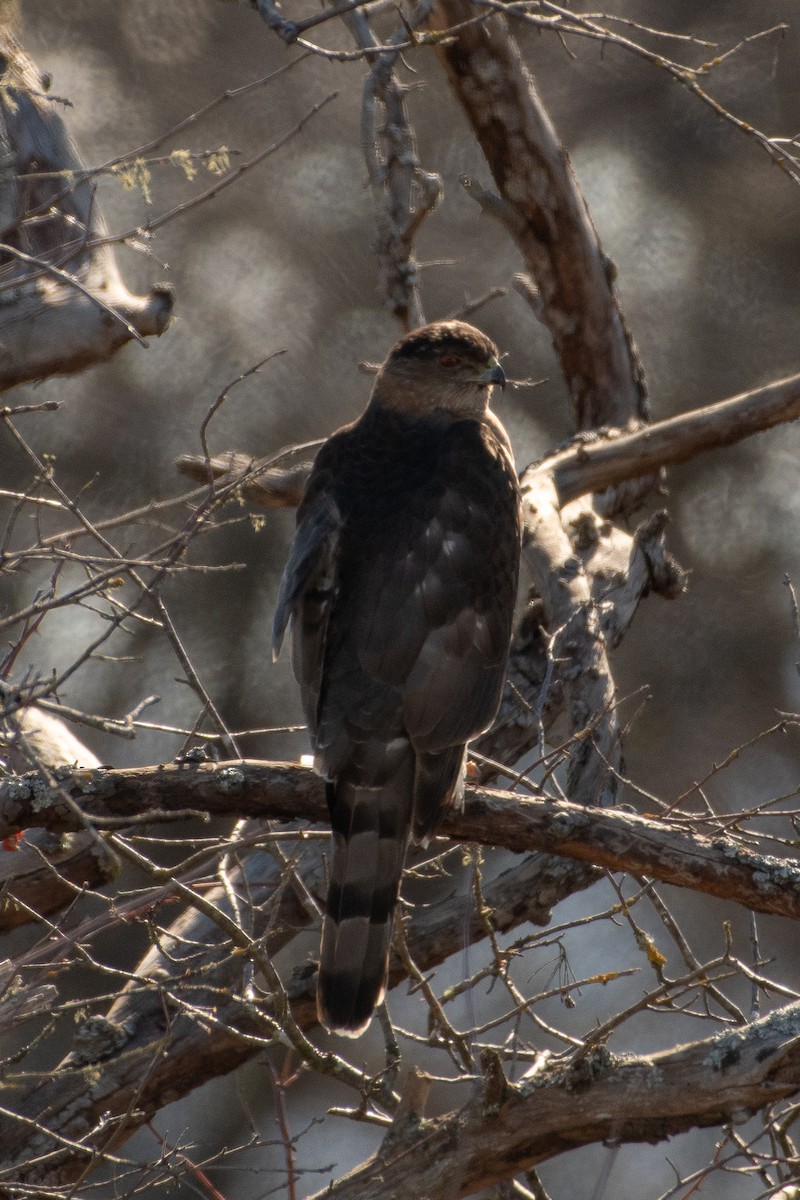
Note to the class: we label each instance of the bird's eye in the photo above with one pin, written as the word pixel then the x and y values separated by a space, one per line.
pixel 449 360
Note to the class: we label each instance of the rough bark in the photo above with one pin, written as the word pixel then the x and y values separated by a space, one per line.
pixel 671 851
pixel 615 457
pixel 541 205
pixel 63 307
pixel 598 1098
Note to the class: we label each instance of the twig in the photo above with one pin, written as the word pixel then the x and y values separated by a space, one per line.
pixel 19 409
pixel 220 400
pixel 148 227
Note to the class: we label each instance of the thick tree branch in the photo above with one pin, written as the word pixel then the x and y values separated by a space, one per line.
pixel 45 873
pixel 548 221
pixel 592 466
pixel 598 1098
pixel 59 321
pixel 42 878
pixel 620 841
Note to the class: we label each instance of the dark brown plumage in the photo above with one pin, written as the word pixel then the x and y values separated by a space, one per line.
pixel 400 587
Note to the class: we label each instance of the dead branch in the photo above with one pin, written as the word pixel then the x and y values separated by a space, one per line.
pixel 589 467
pixel 671 851
pixel 214 1029
pixel 267 487
pixel 182 1020
pixel 597 1098
pixel 549 219
pixel 46 872
pixel 403 194
pixel 46 875
pixel 58 322
pixel 560 20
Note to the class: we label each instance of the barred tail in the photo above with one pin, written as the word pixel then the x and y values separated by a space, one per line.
pixel 371 826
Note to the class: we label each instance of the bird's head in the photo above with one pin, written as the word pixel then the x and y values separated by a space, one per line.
pixel 446 365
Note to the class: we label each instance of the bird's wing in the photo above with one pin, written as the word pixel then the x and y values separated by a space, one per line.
pixel 402 609
pixel 308 588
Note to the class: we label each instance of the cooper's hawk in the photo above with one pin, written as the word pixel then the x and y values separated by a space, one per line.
pixel 400 587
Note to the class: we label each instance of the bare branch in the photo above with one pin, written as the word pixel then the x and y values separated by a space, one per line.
pixel 267 487
pixel 620 841
pixel 548 219
pixel 561 20
pixel 589 467
pixel 197 1011
pixel 556 1108
pixel 403 193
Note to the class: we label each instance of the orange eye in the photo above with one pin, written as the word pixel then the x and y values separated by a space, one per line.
pixel 449 360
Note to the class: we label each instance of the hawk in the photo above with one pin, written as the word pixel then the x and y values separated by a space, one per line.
pixel 400 588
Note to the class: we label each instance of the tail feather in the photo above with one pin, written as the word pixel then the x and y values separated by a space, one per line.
pixel 371 826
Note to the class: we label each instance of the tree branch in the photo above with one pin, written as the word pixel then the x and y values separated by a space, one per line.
pixel 60 323
pixel 670 851
pixel 589 467
pixel 572 623
pixel 184 1019
pixel 403 193
pixel 548 219
pixel 598 1098
pixel 266 487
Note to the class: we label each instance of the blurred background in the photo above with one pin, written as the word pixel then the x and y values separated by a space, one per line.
pixel 705 233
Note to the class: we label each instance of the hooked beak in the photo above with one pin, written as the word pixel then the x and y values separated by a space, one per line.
pixel 493 374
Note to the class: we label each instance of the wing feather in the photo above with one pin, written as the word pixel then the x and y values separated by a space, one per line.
pixel 307 594
pixel 310 563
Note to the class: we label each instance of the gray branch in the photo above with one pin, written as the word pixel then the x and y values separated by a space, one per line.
pixel 65 305
pixel 671 851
